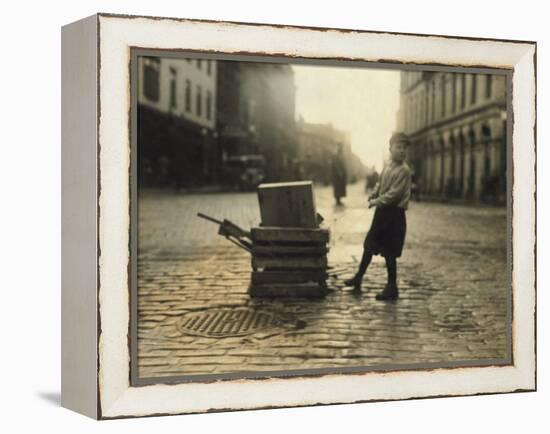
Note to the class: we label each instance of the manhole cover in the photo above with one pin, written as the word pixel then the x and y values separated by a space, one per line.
pixel 217 323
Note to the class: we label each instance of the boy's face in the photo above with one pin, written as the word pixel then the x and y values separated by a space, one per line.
pixel 398 151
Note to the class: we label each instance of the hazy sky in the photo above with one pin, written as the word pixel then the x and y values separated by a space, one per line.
pixel 362 101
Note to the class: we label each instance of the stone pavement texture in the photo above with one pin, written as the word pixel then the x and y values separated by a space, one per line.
pixel 452 277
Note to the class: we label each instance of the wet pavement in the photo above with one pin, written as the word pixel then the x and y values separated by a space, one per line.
pixel 195 315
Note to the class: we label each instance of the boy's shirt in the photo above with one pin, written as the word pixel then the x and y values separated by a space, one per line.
pixel 394 186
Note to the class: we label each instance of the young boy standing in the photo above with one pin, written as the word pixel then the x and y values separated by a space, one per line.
pixel 387 232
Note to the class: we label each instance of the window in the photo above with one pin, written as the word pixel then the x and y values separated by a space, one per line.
pixel 453 95
pixel 485 133
pixel 486 137
pixel 433 100
pixel 443 95
pixel 151 78
pixel 187 95
pixel 413 113
pixel 488 86
pixel 208 105
pixel 462 91
pixel 418 110
pixel 173 89
pixel 199 63
pixel 407 113
pixel 198 105
pixel 474 89
pixel 426 105
pixel 209 67
pixel 173 101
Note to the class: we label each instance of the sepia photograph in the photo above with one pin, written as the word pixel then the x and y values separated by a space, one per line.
pixel 298 218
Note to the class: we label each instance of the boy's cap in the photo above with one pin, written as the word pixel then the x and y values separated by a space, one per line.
pixel 399 137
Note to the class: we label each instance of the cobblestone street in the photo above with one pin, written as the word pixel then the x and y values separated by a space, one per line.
pixel 452 277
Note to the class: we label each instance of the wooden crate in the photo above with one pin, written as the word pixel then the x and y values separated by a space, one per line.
pixel 275 290
pixel 286 250
pixel 288 204
pixel 289 235
pixel 289 262
pixel 296 276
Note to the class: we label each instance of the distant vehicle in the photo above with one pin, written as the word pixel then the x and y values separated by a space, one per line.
pixel 245 172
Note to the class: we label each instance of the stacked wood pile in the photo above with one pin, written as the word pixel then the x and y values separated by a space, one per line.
pixel 289 249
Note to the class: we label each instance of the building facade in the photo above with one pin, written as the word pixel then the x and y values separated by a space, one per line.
pixel 457 126
pixel 317 144
pixel 177 135
pixel 256 109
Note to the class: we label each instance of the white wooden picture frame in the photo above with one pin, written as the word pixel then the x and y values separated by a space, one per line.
pixel 96 155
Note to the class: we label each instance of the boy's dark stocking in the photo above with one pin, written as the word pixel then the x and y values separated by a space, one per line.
pixel 356 280
pixel 365 261
pixel 391 266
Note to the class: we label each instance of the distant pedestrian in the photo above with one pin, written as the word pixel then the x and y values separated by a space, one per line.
pixel 372 179
pixel 298 170
pixel 387 232
pixel 339 175
pixel 415 187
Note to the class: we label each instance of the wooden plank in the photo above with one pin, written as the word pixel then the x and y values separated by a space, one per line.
pixel 290 262
pixel 270 250
pixel 286 290
pixel 278 234
pixel 287 204
pixel 292 276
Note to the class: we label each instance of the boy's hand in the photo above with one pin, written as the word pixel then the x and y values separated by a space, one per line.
pixel 372 202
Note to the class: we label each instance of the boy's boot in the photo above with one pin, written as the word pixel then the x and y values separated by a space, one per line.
pixel 355 282
pixel 390 292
